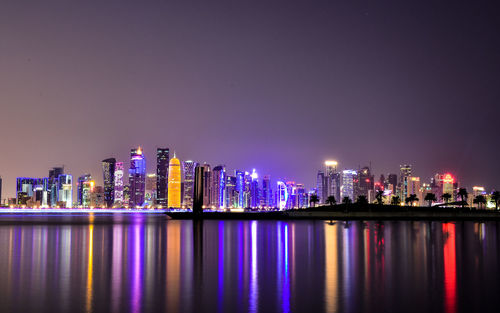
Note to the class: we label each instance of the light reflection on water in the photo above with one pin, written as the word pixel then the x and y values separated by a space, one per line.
pixel 135 263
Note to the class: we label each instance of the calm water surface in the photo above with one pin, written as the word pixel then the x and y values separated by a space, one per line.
pixel 134 263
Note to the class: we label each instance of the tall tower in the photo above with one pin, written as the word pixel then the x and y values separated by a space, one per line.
pixel 207 185
pixel 405 174
pixel 80 185
pixel 118 181
pixel 320 186
pixel 266 191
pixel 137 177
pixel 189 167
pixel 198 189
pixel 108 174
pixel 218 186
pixel 347 189
pixel 65 190
pixel 174 183
pixel 162 161
pixel 254 190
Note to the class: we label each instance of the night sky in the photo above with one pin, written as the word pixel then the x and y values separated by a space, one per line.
pixel 276 86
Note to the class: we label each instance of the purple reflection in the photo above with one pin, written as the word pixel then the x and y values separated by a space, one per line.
pixel 254 293
pixel 137 267
pixel 220 267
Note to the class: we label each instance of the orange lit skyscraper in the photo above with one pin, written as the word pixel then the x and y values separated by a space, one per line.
pixel 174 183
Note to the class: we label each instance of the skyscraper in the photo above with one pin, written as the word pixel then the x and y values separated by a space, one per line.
pixel 137 177
pixel 162 162
pixel 189 167
pixel 80 188
pixel 405 172
pixel 198 189
pixel 254 190
pixel 174 183
pixel 347 189
pixel 365 184
pixel 118 180
pixel 218 186
pixel 320 186
pixel 266 191
pixel 52 184
pixel 239 188
pixel 207 185
pixel 108 174
pixel 332 180
pixel 150 197
pixel 65 190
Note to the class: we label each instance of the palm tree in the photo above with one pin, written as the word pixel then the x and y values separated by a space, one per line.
pixel 380 196
pixel 446 197
pixel 362 200
pixel 331 200
pixel 495 197
pixel 313 200
pixel 479 200
pixel 463 194
pixel 395 200
pixel 346 200
pixel 411 199
pixel 430 197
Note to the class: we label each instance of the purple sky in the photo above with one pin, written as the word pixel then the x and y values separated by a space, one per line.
pixel 277 86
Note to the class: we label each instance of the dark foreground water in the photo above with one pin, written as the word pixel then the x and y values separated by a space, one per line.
pixel 134 263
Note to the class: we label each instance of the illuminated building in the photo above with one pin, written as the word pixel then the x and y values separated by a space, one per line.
pixel 448 186
pixel 282 195
pixel 174 183
pixel 348 179
pixel 231 196
pixel 80 186
pixel 266 191
pixel 162 162
pixel 97 197
pixel 52 184
pixel 118 180
pixel 365 184
pixel 320 187
pixel 218 186
pixel 254 190
pixel 207 185
pixel 150 193
pixel 240 186
pixel 87 190
pixel 189 167
pixel 64 190
pixel 414 188
pixel 198 189
pixel 137 177
pixel 332 181
pixel 302 198
pixel 292 195
pixel 108 174
pixel 405 172
pixel 24 189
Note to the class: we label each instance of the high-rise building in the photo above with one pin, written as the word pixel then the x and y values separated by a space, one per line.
pixel 218 186
pixel 266 191
pixel 87 191
pixel 332 180
pixel 188 167
pixel 240 187
pixel 151 193
pixel 405 173
pixel 207 186
pixel 137 177
pixel 174 183
pixel 281 195
pixel 64 190
pixel 118 181
pixel 162 163
pixel 254 190
pixel 392 179
pixel 448 185
pixel 231 197
pixel 24 188
pixel 348 179
pixel 108 174
pixel 52 184
pixel 97 197
pixel 414 188
pixel 198 189
pixel 80 189
pixel 321 189
pixel 365 184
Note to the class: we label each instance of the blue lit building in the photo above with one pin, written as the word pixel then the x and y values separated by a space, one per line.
pixel 137 177
pixel 218 186
pixel 347 188
pixel 240 186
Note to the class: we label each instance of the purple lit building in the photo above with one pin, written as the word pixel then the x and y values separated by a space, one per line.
pixel 137 177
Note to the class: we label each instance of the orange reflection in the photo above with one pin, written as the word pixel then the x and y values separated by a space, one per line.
pixel 450 282
pixel 331 262
pixel 90 269
pixel 173 264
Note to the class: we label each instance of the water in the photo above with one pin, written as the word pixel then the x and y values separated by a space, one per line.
pixel 133 263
